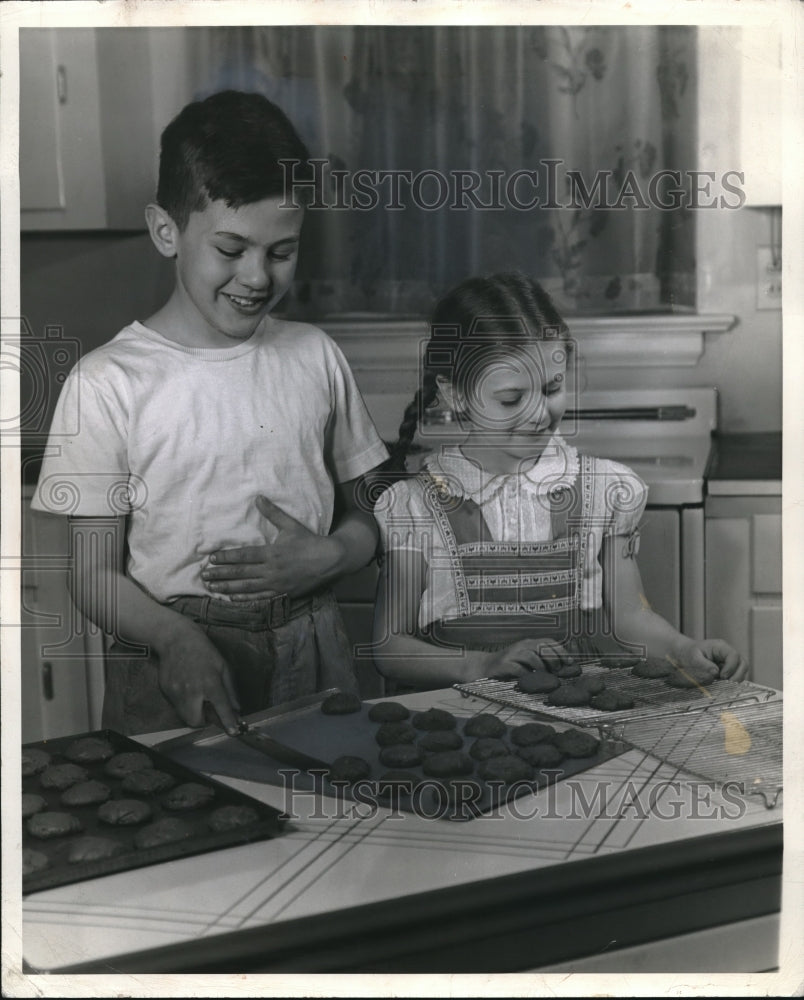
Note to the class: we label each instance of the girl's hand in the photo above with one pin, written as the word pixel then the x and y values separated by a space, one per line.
pixel 715 655
pixel 293 564
pixel 522 657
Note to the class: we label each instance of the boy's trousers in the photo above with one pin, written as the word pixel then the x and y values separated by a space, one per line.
pixel 269 665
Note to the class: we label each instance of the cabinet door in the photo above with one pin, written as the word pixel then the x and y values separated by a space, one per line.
pixel 61 170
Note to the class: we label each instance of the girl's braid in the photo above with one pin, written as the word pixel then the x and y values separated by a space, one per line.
pixel 425 397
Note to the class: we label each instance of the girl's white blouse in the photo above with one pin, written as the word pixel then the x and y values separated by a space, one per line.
pixel 516 507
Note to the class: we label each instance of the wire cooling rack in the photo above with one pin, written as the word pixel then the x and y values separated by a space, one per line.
pixel 651 697
pixel 740 746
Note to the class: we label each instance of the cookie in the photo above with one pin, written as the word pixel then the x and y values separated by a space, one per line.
pixel 86 793
pixel 32 804
pixel 349 769
pixel 89 750
pixel 47 825
pixel 148 782
pixel 33 861
pixel 485 725
pixel 509 768
pixel 593 683
pixel 619 662
pixel 341 703
pixel 691 677
pixel 531 733
pixel 93 849
pixel 488 746
pixel 401 755
pixel 167 830
pixel 439 740
pixel 61 776
pixel 434 719
pixel 538 682
pixel 541 755
pixel 567 670
pixel 123 763
pixel 190 795
pixel 611 701
pixel 450 764
pixel 574 743
pixel 652 668
pixel 33 761
pixel 232 818
pixel 388 711
pixel 572 695
pixel 391 733
pixel 124 812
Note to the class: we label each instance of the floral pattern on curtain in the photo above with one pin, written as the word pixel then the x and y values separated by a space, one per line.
pixel 613 103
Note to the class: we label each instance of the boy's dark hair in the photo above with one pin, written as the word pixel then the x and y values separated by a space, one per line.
pixel 227 148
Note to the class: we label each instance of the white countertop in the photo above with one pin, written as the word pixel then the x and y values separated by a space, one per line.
pixel 330 859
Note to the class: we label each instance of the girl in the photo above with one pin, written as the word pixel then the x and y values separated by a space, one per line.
pixel 511 553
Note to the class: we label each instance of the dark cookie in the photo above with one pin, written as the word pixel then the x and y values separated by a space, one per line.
pixel 538 682
pixel 541 755
pixel 123 763
pixel 593 683
pixel 349 769
pixel 532 733
pixel 401 755
pixel 47 825
pixel 61 776
pixel 569 696
pixel 508 769
pixel 164 831
pixel 341 703
pixel 86 793
pixel 485 725
pixel 611 701
pixel 232 818
pixel 34 761
pixel 94 849
pixel 441 739
pixel 388 711
pixel 450 764
pixel 190 795
pixel 391 733
pixel 652 668
pixel 89 750
pixel 691 677
pixel 32 804
pixel 434 719
pixel 488 746
pixel 574 743
pixel 567 670
pixel 148 782
pixel 124 812
pixel 33 861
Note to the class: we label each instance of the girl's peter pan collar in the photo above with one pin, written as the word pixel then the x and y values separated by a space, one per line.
pixel 557 466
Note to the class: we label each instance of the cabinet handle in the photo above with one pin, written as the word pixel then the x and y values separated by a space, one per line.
pixel 61 84
pixel 47 681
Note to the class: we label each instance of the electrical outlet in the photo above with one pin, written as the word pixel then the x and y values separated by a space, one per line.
pixel 769 279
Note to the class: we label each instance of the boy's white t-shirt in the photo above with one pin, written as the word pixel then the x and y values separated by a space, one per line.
pixel 184 439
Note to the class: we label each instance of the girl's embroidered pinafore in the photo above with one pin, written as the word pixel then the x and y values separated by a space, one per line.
pixel 508 591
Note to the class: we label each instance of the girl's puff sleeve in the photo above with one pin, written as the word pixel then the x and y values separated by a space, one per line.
pixel 625 497
pixel 403 518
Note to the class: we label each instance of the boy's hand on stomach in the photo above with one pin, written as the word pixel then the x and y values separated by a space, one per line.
pixel 191 672
pixel 294 564
pixel 715 655
pixel 525 656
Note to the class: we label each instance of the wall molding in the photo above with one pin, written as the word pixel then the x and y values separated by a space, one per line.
pixel 628 341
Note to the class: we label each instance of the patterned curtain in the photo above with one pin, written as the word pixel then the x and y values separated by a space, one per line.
pixel 533 117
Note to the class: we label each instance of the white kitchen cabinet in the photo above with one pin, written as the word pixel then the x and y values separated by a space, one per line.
pixel 61 652
pixel 744 580
pixel 93 103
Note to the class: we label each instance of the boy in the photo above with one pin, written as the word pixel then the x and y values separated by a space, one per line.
pixel 233 439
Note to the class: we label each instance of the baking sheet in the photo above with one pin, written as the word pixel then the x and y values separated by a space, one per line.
pixel 651 696
pixel 303 727
pixel 61 872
